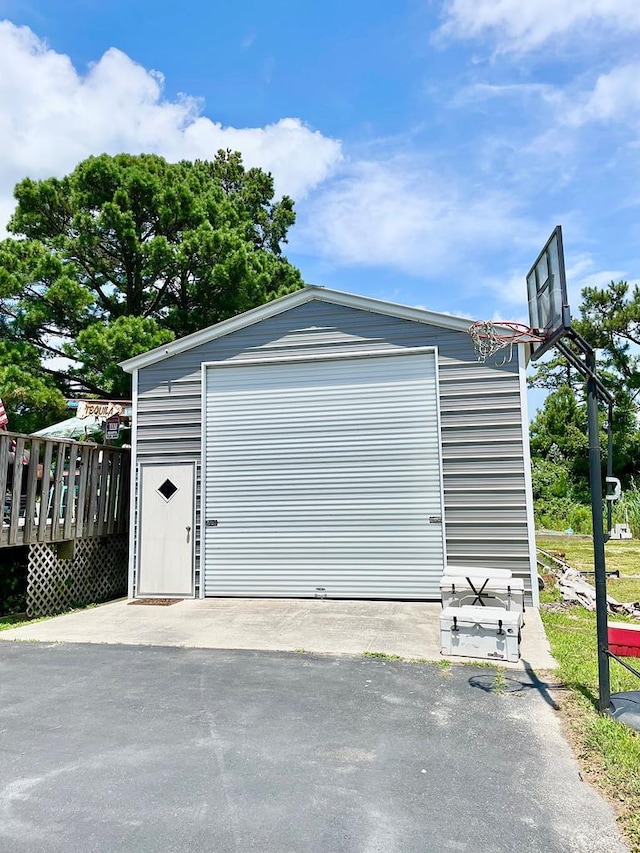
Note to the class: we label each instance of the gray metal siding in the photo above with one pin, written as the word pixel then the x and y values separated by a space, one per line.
pixel 482 449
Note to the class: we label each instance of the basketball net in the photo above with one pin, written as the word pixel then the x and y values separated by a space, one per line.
pixel 490 336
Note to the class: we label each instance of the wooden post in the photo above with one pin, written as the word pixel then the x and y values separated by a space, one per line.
pixel 32 490
pixel 114 485
pixel 123 493
pixel 104 488
pixel 92 492
pixel 54 532
pixel 71 492
pixel 44 498
pixel 16 491
pixel 84 458
pixel 5 443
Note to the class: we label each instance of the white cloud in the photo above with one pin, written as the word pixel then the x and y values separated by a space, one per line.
pixel 555 136
pixel 510 289
pixel 523 25
pixel 488 91
pixel 51 117
pixel 582 272
pixel 614 97
pixel 398 214
pixel 372 212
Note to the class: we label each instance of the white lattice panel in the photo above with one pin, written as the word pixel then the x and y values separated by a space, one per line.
pixel 97 572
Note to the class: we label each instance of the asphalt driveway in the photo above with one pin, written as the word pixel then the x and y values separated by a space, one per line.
pixel 123 749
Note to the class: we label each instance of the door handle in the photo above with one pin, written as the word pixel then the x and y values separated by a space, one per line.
pixel 188 532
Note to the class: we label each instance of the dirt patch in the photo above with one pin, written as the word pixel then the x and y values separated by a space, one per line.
pixel 157 602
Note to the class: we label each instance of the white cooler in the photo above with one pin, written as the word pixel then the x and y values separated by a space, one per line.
pixel 507 593
pixel 481 632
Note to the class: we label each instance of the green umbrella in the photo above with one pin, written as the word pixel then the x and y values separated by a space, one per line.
pixel 78 428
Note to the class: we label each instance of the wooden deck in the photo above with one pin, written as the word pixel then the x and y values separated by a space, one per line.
pixel 57 490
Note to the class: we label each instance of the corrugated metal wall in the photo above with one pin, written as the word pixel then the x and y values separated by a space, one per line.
pixel 324 475
pixel 483 464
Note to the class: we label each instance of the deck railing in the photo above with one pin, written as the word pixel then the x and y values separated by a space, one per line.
pixel 56 489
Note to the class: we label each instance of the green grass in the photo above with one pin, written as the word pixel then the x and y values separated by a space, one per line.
pixel 381 656
pixel 624 590
pixel 609 752
pixel 499 682
pixel 623 555
pixel 17 620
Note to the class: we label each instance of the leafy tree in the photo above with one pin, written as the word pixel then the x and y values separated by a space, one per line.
pixel 554 372
pixel 99 347
pixel 29 394
pixel 558 436
pixel 610 321
pixel 127 252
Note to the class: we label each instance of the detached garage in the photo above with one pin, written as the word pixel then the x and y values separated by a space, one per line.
pixel 327 445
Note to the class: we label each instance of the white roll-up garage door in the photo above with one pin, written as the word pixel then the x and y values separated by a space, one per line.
pixel 323 478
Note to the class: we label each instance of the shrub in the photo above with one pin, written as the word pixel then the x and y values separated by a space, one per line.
pixel 13 581
pixel 558 514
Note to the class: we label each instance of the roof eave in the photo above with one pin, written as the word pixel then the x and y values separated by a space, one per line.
pixel 285 303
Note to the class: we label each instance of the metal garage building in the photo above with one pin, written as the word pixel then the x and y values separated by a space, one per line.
pixel 327 444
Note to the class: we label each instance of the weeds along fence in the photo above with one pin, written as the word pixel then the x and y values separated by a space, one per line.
pixel 55 490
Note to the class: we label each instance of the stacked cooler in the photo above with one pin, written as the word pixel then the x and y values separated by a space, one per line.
pixel 482 613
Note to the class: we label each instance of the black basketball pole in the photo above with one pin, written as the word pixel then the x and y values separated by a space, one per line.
pixel 549 314
pixel 595 389
pixel 595 477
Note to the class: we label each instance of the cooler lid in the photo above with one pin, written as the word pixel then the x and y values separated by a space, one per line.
pixel 475 571
pixel 495 584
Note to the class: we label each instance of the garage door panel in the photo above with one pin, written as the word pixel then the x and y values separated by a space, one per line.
pixel 324 474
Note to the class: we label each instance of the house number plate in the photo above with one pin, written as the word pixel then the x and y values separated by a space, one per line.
pixel 211 522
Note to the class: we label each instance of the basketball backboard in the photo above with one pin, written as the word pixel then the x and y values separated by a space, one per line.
pixel 549 313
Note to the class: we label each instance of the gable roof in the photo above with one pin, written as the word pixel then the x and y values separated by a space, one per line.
pixel 285 303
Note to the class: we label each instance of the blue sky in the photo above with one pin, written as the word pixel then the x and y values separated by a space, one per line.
pixel 431 147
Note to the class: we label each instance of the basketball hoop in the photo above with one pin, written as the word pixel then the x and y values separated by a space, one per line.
pixel 490 336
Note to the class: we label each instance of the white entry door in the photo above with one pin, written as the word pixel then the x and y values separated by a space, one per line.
pixel 165 565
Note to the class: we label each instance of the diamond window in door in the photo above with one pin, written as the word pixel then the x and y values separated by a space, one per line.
pixel 167 489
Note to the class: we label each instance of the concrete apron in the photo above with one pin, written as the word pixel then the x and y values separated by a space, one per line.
pixel 410 630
